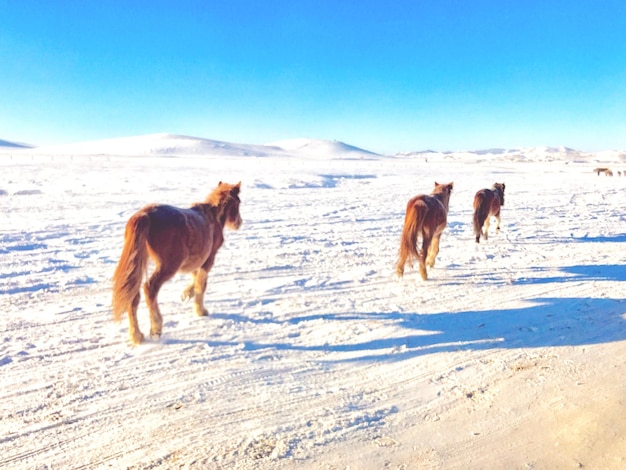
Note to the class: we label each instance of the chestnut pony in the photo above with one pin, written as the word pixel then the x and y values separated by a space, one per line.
pixel 487 203
pixel 176 239
pixel 426 216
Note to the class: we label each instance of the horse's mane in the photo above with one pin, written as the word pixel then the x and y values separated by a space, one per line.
pixel 221 194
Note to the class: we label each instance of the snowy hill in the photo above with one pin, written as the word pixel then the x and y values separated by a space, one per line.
pixel 179 145
pixel 157 145
pixel 317 147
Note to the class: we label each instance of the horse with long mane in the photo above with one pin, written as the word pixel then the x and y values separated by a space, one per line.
pixel 487 203
pixel 176 240
pixel 426 217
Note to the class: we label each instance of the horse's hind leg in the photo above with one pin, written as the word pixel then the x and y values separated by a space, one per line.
pixel 423 255
pixel 433 252
pixel 136 336
pixel 400 265
pixel 151 289
pixel 486 228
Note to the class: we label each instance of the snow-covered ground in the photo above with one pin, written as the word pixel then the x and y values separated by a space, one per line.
pixel 314 355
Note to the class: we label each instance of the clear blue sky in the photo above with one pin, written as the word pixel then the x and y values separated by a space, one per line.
pixel 388 76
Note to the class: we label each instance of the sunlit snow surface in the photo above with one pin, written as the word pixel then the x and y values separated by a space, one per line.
pixel 314 354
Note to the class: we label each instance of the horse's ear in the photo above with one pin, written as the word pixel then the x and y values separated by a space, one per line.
pixel 451 184
pixel 236 189
pixel 219 184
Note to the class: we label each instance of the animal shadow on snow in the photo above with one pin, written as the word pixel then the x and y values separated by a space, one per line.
pixel 604 272
pixel 550 322
pixel 545 322
pixel 602 239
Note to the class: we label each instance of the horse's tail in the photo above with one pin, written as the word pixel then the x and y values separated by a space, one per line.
pixel 132 265
pixel 413 222
pixel 480 214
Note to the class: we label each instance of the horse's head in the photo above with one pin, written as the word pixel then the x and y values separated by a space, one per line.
pixel 444 190
pixel 226 197
pixel 499 189
pixel 439 187
pixel 231 210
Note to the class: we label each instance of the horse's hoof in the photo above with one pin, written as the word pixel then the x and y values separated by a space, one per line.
pixel 202 312
pixel 137 338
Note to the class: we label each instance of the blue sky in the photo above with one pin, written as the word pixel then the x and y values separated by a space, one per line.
pixel 383 75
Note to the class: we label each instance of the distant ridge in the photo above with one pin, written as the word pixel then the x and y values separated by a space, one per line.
pixel 180 145
pixel 529 154
pixel 14 145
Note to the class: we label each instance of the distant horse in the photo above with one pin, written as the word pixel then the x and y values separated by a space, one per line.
pixel 606 171
pixel 426 216
pixel 176 239
pixel 487 203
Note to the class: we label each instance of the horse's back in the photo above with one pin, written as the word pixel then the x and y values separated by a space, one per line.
pixel 179 234
pixel 494 202
pixel 164 216
pixel 436 208
pixel 431 202
pixel 488 200
pixel 434 212
pixel 167 218
pixel 482 196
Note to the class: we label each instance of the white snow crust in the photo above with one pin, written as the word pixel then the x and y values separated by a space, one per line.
pixel 314 355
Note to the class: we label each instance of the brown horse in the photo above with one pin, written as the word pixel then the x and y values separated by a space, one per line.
pixel 426 216
pixel 177 240
pixel 487 203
